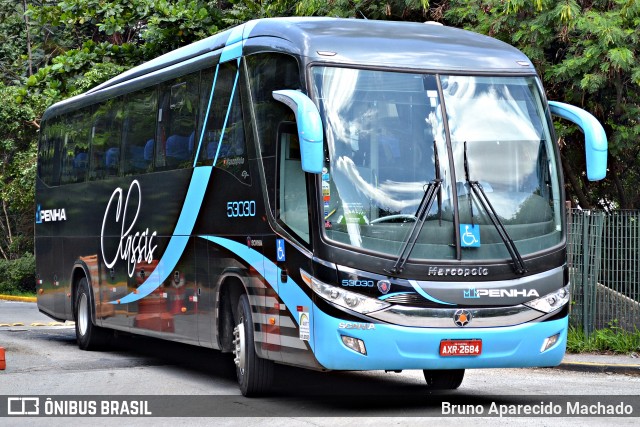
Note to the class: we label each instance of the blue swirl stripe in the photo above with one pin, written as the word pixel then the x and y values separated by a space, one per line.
pixel 289 292
pixel 197 187
pixel 421 291
pixel 180 237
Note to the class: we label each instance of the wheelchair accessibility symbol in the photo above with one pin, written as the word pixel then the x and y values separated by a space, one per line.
pixel 469 236
pixel 280 255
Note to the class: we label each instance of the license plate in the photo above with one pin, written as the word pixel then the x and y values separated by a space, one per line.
pixel 460 347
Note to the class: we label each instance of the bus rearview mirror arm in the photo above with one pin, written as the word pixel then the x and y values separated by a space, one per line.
pixel 309 128
pixel 595 139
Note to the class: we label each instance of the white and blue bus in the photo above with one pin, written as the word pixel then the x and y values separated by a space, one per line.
pixel 325 193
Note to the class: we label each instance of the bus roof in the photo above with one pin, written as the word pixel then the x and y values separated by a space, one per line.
pixel 424 46
pixel 405 45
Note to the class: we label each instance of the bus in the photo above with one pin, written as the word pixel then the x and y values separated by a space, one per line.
pixel 333 194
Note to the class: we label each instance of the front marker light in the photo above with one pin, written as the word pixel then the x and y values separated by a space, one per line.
pixel 551 302
pixel 342 297
pixel 549 342
pixel 354 344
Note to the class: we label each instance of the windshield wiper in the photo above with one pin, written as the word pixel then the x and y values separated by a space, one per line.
pixel 433 189
pixel 478 191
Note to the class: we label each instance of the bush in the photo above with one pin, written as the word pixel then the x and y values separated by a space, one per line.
pixel 18 276
pixel 609 340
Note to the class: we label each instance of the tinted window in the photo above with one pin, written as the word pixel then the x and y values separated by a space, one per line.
pixel 269 72
pixel 49 152
pixel 138 138
pixel 223 139
pixel 177 122
pixel 104 158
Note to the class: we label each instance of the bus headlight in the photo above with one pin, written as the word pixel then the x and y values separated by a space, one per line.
pixel 551 302
pixel 342 297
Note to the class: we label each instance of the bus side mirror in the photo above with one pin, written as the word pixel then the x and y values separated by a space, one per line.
pixel 595 140
pixel 309 128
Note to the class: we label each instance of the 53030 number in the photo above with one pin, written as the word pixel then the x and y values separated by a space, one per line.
pixel 242 208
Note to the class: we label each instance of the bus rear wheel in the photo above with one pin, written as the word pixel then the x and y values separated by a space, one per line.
pixel 255 374
pixel 88 335
pixel 447 379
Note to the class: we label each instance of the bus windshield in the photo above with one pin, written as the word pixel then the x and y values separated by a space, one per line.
pixel 390 136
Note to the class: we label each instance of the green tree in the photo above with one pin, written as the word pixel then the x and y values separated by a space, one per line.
pixel 405 10
pixel 241 11
pixel 17 172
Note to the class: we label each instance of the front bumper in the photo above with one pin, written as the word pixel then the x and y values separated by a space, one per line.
pixel 392 347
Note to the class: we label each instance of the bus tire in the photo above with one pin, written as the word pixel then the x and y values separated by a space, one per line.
pixel 254 374
pixel 446 379
pixel 88 335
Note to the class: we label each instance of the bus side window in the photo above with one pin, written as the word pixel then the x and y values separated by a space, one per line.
pixel 49 163
pixel 217 114
pixel 177 122
pixel 75 147
pixel 292 199
pixel 104 159
pixel 227 146
pixel 269 72
pixel 138 131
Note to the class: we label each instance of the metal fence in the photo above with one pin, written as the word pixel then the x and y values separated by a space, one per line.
pixel 604 269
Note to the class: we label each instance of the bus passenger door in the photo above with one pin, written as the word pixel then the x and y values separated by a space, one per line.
pixel 292 214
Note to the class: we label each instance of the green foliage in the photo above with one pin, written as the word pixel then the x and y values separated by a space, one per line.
pixel 12 40
pixel 609 340
pixel 393 9
pixel 245 10
pixel 18 276
pixel 17 172
pixel 179 22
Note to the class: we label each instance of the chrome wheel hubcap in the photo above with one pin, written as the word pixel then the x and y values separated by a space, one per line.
pixel 83 315
pixel 239 347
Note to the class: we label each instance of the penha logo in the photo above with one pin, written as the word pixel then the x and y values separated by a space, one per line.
pixel 50 215
pixel 471 293
pixel 133 247
pixel 500 293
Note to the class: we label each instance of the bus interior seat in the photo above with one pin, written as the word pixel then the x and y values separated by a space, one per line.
pixel 81 161
pixel 178 148
pixel 136 159
pixel 112 160
pixel 211 150
pixel 148 150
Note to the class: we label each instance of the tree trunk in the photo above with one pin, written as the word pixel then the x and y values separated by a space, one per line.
pixel 28 32
pixel 622 196
pixel 575 183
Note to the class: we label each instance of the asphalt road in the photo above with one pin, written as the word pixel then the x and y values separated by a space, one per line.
pixel 45 361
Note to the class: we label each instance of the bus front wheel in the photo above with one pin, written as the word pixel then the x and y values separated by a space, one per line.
pixel 254 373
pixel 88 335
pixel 447 379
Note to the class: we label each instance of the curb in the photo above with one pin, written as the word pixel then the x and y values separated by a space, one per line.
pixel 600 368
pixel 41 324
pixel 21 299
